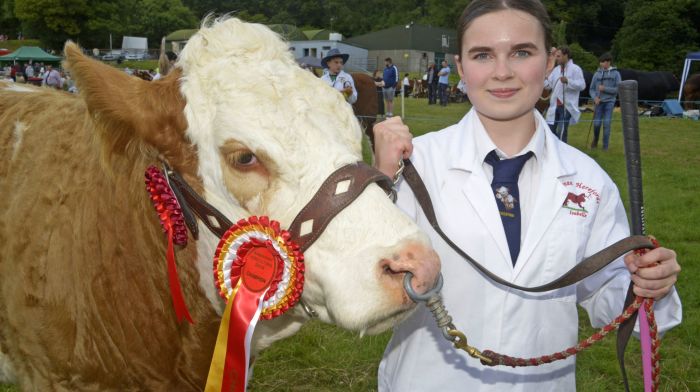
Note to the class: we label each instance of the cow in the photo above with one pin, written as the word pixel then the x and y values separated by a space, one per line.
pixel 691 92
pixel 576 199
pixel 366 107
pixel 84 296
pixel 652 86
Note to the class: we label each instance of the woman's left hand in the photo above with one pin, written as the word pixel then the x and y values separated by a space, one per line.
pixel 653 273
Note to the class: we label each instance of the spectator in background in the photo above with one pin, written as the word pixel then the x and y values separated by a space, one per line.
pixel 379 82
pixel 28 72
pixel 443 83
pixel 13 72
pixel 53 78
pixel 432 80
pixel 391 79
pixel 566 82
pixel 406 85
pixel 603 90
pixel 335 77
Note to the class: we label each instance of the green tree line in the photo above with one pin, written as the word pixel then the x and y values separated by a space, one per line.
pixel 641 34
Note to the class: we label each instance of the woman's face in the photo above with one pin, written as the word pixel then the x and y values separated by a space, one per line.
pixel 503 62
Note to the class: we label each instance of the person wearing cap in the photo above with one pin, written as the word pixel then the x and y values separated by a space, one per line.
pixel 336 77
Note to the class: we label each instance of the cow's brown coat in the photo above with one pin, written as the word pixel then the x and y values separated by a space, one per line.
pixel 110 304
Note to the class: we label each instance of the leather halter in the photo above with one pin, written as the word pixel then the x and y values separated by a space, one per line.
pixel 340 189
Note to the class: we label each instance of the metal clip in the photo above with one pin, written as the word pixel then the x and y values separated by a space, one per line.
pixel 460 342
pixel 398 173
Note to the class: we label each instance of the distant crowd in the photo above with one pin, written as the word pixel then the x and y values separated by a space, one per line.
pixel 39 74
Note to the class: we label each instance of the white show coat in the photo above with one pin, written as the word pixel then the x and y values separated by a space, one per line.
pixel 342 81
pixel 576 84
pixel 555 238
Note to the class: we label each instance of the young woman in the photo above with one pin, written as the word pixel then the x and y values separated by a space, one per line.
pixel 524 228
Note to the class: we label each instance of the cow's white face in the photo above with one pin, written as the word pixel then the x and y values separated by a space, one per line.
pixel 267 135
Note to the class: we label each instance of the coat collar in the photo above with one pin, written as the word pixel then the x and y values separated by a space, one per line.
pixel 469 146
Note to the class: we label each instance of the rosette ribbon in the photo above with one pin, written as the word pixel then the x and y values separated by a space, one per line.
pixel 173 224
pixel 259 271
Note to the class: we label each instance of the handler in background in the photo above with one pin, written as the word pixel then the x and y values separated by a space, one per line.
pixel 603 90
pixel 336 77
pixel 566 82
pixel 502 187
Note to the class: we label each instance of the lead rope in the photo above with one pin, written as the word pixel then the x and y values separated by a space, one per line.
pixel 433 301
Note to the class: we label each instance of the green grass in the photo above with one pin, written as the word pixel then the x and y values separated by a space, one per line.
pixel 133 64
pixel 324 358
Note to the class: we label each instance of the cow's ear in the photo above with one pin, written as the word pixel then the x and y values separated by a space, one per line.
pixel 125 107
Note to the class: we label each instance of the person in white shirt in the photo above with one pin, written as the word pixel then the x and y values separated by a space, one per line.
pixel 566 82
pixel 444 83
pixel 502 60
pixel 335 76
pixel 406 85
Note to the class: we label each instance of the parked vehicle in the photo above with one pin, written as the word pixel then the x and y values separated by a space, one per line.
pixel 135 56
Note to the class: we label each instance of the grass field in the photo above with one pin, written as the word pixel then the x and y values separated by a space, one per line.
pixel 324 358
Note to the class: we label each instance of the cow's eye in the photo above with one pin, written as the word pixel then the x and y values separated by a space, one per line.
pixel 243 159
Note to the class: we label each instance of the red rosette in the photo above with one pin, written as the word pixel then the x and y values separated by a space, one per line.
pixel 166 205
pixel 261 232
pixel 173 224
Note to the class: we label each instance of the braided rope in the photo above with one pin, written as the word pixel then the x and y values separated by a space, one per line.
pixel 505 360
pixel 648 303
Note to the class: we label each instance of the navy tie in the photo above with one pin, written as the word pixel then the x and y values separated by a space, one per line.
pixel 505 189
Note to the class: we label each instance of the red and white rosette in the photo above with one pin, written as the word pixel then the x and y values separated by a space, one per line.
pixel 260 273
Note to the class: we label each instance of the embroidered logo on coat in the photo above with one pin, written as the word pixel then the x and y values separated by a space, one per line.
pixel 577 199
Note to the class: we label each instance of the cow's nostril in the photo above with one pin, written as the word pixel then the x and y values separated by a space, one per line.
pixel 386 269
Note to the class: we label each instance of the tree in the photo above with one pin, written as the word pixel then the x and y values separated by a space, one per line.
pixel 90 22
pixel 159 18
pixel 10 24
pixel 52 21
pixel 656 34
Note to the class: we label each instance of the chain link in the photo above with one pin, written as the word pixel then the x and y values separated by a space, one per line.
pixel 395 180
pixel 433 301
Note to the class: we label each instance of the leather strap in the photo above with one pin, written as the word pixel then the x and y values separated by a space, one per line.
pixel 623 335
pixel 340 189
pixel 210 216
pixel 581 271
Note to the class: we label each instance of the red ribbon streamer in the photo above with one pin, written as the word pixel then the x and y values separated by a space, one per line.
pixel 175 289
pixel 244 315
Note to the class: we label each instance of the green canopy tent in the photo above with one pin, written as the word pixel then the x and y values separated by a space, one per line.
pixel 26 53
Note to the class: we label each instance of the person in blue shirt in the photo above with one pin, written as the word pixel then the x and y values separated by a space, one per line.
pixel 391 79
pixel 444 83
pixel 603 90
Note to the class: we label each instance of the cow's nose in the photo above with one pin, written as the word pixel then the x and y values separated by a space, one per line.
pixel 417 259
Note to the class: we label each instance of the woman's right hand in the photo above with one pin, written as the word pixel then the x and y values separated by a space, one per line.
pixel 392 143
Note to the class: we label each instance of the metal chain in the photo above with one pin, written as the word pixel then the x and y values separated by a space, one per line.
pixel 433 302
pixel 395 180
